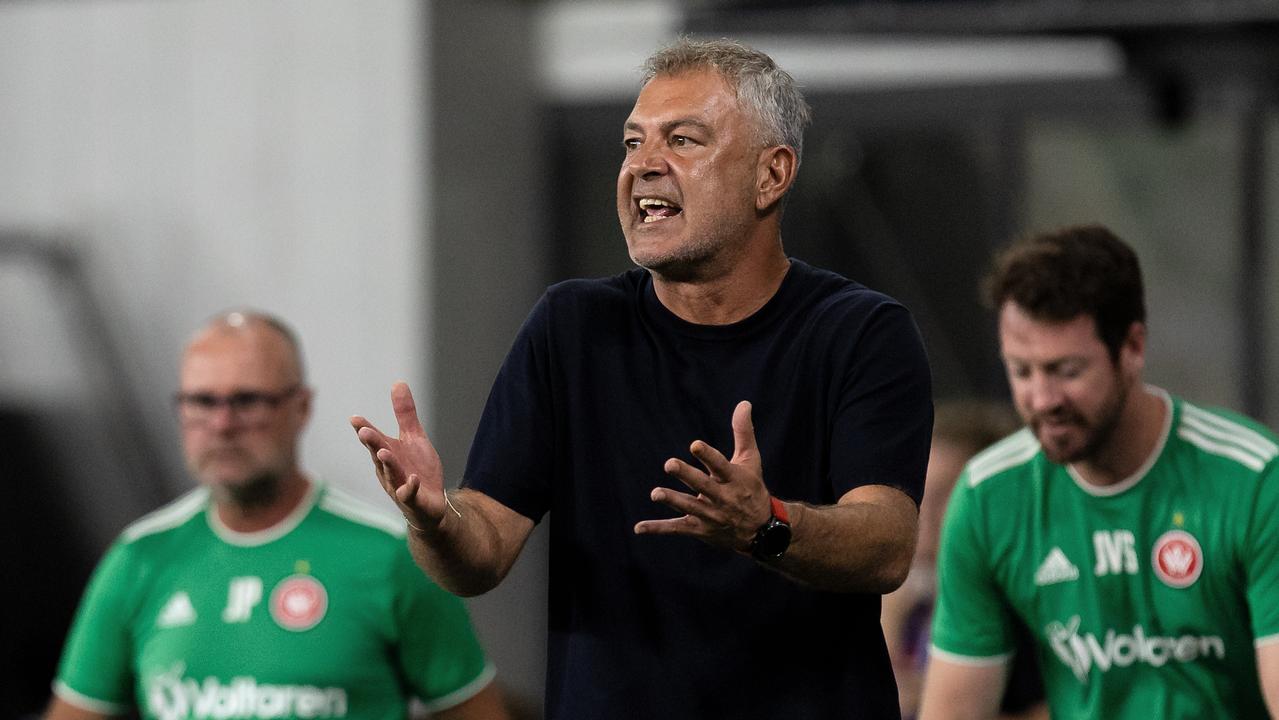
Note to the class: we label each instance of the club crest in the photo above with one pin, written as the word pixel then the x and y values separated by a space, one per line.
pixel 1177 559
pixel 299 602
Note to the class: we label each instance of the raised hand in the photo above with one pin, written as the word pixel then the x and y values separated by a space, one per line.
pixel 731 501
pixel 408 467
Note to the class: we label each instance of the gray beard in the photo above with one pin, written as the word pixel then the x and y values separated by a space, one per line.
pixel 687 266
pixel 257 492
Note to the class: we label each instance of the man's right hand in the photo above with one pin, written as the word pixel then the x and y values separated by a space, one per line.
pixel 408 467
pixel 466 557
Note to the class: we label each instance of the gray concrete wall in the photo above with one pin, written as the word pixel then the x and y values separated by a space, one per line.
pixel 203 154
pixel 487 266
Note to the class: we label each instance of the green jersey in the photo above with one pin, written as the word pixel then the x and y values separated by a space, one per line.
pixel 1146 598
pixel 323 616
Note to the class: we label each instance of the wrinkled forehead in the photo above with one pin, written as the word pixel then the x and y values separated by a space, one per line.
pixel 701 92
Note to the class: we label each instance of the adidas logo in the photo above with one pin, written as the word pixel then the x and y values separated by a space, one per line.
pixel 1056 568
pixel 177 612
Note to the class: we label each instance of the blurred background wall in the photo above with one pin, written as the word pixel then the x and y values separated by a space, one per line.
pixel 401 179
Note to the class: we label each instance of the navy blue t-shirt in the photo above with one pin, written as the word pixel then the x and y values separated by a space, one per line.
pixel 603 384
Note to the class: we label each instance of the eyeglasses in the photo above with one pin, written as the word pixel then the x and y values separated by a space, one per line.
pixel 247 406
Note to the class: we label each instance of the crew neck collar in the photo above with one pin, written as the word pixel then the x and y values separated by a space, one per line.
pixel 262 537
pixel 761 318
pixel 1141 472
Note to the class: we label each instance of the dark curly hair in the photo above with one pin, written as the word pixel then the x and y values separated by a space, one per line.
pixel 1059 275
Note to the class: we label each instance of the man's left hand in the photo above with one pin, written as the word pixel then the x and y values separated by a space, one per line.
pixel 731 501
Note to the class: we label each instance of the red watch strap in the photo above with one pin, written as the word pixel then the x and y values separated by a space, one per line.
pixel 779 509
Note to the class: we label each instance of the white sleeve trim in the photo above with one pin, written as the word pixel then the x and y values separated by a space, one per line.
pixel 84 702
pixel 1267 640
pixel 464 693
pixel 969 660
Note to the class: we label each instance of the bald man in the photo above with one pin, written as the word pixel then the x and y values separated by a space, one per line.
pixel 263 594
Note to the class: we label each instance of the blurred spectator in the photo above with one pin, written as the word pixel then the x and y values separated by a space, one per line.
pixel 263 593
pixel 1131 530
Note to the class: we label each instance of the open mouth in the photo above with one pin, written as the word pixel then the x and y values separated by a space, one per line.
pixel 654 209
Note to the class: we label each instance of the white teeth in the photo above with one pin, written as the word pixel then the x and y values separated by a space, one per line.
pixel 647 204
pixel 654 202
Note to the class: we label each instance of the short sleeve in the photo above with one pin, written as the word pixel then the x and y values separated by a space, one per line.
pixel 884 421
pixel 972 621
pixel 1261 558
pixel 438 651
pixel 96 669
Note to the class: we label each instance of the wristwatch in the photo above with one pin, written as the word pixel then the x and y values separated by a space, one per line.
pixel 773 537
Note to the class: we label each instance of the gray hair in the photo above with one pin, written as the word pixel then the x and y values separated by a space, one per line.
pixel 762 88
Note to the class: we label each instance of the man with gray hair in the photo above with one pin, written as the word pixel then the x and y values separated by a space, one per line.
pixel 803 521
